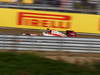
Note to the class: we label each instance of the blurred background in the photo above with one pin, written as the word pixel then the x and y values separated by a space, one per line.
pixel 72 6
pixel 81 6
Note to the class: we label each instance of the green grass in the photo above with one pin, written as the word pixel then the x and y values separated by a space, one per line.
pixel 29 64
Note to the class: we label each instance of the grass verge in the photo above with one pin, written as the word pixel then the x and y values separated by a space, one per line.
pixel 29 64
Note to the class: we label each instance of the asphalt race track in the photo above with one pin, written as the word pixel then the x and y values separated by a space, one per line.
pixel 18 31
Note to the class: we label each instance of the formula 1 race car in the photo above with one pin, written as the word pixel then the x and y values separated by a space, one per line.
pixel 54 33
pixel 69 33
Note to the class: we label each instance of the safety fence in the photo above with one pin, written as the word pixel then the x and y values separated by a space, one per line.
pixel 41 43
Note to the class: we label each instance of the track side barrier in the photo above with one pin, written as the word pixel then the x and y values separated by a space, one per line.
pixel 41 43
